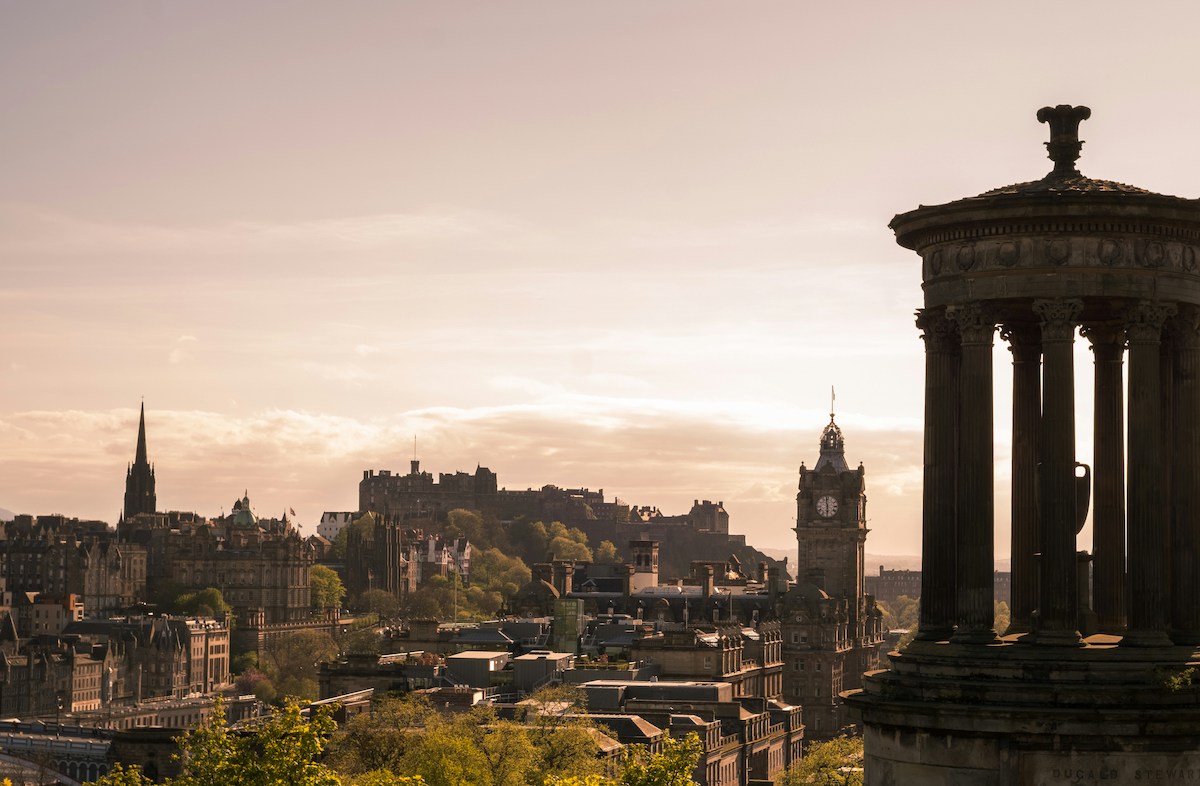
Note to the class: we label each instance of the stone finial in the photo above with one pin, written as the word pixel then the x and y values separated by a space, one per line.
pixel 1064 144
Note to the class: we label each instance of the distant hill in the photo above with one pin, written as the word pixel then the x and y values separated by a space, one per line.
pixel 873 561
pixel 6 515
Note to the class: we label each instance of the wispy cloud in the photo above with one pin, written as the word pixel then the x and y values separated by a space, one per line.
pixel 29 230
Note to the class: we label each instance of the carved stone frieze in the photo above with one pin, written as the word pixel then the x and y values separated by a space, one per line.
pixel 1075 251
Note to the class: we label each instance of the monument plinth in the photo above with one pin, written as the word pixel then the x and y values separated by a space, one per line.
pixel 1093 681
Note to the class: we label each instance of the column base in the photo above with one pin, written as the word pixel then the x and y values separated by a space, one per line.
pixel 1146 638
pixel 934 634
pixel 1053 638
pixel 974 636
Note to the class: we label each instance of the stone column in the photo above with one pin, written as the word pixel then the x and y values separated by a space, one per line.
pixel 1148 511
pixel 1185 469
pixel 1108 475
pixel 939 599
pixel 976 494
pixel 1024 341
pixel 1058 604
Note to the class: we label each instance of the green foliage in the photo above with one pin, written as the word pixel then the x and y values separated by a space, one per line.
pixel 284 750
pixel 1003 617
pixel 409 737
pixel 672 767
pixel 1176 681
pixel 564 543
pixel 379 602
pixel 326 588
pixel 203 603
pixel 292 661
pixel 837 762
pixel 468 524
pixel 119 775
pixel 384 778
pixel 607 553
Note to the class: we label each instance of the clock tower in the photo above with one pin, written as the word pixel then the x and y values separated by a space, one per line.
pixel 831 521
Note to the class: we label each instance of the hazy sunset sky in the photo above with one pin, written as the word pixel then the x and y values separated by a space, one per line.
pixel 621 245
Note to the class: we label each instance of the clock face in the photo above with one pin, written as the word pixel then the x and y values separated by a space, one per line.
pixel 827 506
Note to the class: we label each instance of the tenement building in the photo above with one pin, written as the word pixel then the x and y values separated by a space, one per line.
pixel 1048 700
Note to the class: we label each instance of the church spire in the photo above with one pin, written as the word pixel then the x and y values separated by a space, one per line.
pixel 139 477
pixel 140 456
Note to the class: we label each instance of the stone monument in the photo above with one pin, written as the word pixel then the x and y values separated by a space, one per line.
pixel 1094 681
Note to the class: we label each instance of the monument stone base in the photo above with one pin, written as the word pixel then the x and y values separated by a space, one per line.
pixel 1011 713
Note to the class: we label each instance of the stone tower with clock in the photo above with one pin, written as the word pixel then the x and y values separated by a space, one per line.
pixel 831 519
pixel 832 631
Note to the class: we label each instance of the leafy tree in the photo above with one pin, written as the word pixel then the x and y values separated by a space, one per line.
pixel 292 661
pixel 494 571
pixel 119 775
pixel 607 552
pixel 203 603
pixel 558 727
pixel 567 543
pixel 380 602
pixel 468 524
pixel 672 767
pixel 385 778
pixel 254 681
pixel 284 750
pixel 837 762
pixel 375 741
pixel 326 587
pixel 1003 617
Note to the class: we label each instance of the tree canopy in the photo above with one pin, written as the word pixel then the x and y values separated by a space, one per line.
pixel 326 587
pixel 204 603
pixel 837 762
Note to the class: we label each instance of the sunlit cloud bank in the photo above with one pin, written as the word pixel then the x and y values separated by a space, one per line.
pixel 643 452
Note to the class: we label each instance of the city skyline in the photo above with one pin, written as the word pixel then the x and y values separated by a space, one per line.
pixel 624 248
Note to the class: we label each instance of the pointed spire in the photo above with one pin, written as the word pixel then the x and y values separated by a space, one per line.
pixel 140 457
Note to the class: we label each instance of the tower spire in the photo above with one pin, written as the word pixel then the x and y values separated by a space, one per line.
pixel 139 477
pixel 140 456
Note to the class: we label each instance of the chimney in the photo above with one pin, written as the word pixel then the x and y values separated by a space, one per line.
pixel 709 583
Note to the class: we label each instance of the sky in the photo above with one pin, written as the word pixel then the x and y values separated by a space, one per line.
pixel 617 245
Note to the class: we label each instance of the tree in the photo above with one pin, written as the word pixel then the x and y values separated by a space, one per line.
pixel 672 767
pixel 607 553
pixel 558 727
pixel 326 587
pixel 119 775
pixel 567 543
pixel 203 603
pixel 283 750
pixel 292 660
pixel 837 762
pixel 380 602
pixel 468 524
pixel 1003 617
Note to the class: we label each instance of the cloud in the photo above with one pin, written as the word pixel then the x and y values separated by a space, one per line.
pixel 176 355
pixel 30 230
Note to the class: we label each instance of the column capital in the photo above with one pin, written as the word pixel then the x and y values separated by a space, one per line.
pixel 1145 319
pixel 1103 333
pixel 938 332
pixel 1184 327
pixel 1058 318
pixel 1024 340
pixel 976 324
